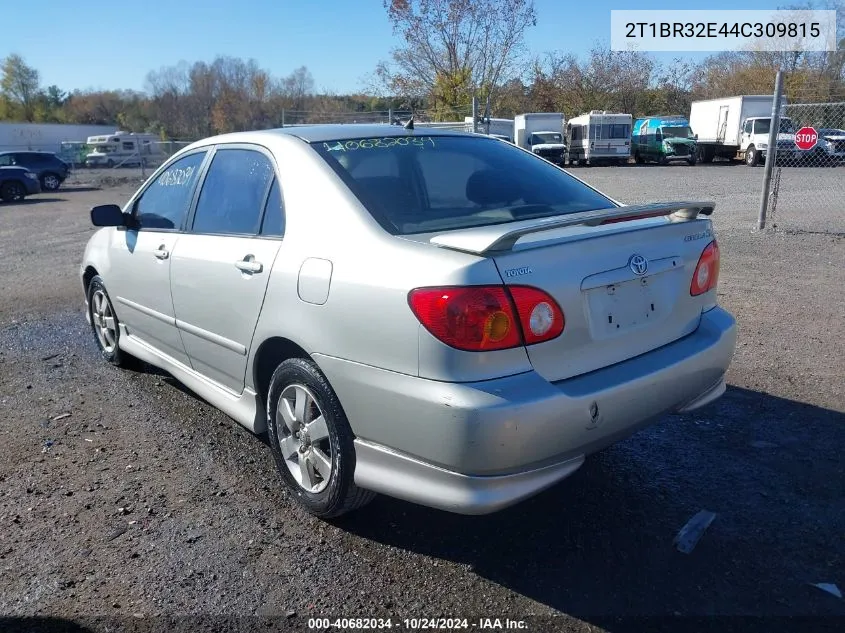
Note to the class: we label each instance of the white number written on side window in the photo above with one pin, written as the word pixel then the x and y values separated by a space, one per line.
pixel 176 177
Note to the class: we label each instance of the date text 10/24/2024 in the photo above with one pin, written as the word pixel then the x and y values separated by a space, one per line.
pixel 416 624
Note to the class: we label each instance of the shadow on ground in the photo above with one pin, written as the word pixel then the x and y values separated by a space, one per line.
pixel 600 545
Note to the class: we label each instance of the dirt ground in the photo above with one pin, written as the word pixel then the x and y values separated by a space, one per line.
pixel 123 496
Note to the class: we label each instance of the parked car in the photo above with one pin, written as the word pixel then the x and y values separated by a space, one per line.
pixel 52 171
pixel 16 183
pixel 830 147
pixel 432 315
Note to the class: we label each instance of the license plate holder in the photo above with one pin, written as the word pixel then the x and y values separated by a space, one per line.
pixel 619 308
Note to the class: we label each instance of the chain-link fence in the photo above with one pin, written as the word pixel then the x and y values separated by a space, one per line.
pixel 808 178
pixel 114 163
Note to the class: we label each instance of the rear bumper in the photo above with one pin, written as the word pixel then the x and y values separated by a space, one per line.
pixel 478 447
pixel 32 186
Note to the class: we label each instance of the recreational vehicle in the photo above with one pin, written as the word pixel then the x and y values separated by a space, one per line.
pixel 599 137
pixel 123 149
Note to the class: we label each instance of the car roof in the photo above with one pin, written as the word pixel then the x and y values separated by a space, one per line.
pixel 336 132
pixel 27 151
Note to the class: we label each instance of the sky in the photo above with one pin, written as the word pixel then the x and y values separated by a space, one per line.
pixel 107 45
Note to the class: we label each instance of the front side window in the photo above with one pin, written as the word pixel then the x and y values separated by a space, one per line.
pixel 7 160
pixel 233 193
pixel 164 203
pixel 747 128
pixel 452 182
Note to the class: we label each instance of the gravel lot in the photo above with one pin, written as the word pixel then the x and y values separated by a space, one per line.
pixel 123 495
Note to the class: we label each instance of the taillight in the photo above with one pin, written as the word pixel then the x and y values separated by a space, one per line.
pixel 486 318
pixel 706 274
pixel 539 315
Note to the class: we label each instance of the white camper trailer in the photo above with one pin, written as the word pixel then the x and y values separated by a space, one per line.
pixel 500 128
pixel 123 149
pixel 599 137
pixel 542 134
pixel 737 128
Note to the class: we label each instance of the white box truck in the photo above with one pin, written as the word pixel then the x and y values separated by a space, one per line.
pixel 737 128
pixel 542 134
pixel 599 137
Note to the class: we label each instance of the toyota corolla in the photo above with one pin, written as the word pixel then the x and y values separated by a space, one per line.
pixel 436 316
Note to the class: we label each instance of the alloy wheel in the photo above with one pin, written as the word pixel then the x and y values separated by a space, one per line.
pixel 304 438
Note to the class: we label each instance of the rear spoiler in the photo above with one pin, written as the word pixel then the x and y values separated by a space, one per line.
pixel 502 237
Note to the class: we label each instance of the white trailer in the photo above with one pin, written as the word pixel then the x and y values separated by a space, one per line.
pixel 542 134
pixel 46 137
pixel 737 128
pixel 599 137
pixel 500 128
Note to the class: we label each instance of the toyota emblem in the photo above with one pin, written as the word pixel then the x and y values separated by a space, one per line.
pixel 638 264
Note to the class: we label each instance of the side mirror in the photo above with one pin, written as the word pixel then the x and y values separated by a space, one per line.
pixel 696 137
pixel 107 215
pixel 658 137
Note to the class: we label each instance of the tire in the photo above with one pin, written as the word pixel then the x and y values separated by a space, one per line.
pixel 109 163
pixel 692 160
pixel 638 159
pixel 100 308
pixel 50 182
pixel 12 190
pixel 298 454
pixel 752 157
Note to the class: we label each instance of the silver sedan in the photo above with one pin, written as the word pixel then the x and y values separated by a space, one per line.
pixel 440 317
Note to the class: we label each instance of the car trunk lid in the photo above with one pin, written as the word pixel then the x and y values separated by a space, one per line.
pixel 621 276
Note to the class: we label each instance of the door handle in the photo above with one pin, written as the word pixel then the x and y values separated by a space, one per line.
pixel 162 253
pixel 249 265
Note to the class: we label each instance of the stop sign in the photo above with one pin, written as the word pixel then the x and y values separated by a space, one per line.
pixel 806 138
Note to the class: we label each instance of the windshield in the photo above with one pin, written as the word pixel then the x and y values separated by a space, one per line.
pixel 546 137
pixel 762 126
pixel 434 183
pixel 677 132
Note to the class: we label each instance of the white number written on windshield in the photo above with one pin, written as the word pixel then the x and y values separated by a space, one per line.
pixel 378 143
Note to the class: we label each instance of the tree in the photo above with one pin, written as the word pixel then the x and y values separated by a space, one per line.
pixel 20 85
pixel 464 46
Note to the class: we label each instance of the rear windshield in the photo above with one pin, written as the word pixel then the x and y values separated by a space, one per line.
pixel 419 184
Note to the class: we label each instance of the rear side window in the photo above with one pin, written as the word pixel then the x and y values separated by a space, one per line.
pixel 435 183
pixel 164 203
pixel 233 193
pixel 274 214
